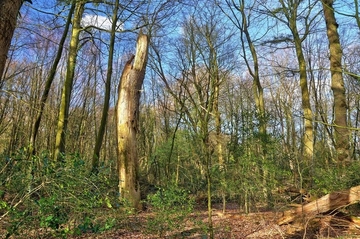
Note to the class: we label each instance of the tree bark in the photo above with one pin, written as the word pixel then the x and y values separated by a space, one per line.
pixel 291 14
pixel 254 71
pixel 308 137
pixel 337 83
pixel 100 135
pixel 9 11
pixel 324 204
pixel 68 84
pixel 127 120
pixel 49 81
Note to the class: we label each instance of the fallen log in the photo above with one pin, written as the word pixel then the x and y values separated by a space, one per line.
pixel 329 202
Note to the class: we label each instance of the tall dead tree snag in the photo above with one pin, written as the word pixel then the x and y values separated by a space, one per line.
pixel 127 117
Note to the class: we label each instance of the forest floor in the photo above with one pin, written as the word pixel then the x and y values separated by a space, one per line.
pixel 234 224
pixel 237 225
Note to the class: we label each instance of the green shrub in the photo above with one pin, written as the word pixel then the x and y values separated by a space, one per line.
pixel 171 207
pixel 336 177
pixel 62 198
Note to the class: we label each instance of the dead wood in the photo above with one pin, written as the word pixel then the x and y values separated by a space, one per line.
pixel 327 203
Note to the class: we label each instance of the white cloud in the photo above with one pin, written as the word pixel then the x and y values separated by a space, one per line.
pixel 98 21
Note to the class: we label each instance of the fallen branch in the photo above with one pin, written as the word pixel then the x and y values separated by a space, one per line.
pixel 26 196
pixel 329 202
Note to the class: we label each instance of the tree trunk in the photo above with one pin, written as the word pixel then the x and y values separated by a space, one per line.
pixel 68 84
pixel 337 83
pixel 324 204
pixel 308 137
pixel 254 71
pixel 127 117
pixel 9 11
pixel 49 81
pixel 289 9
pixel 258 94
pixel 100 136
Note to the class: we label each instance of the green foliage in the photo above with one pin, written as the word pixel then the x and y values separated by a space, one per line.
pixel 50 213
pixel 88 225
pixel 171 206
pixel 335 177
pixel 62 198
pixel 258 165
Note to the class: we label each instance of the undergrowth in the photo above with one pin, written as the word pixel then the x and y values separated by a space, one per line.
pixel 171 207
pixel 40 198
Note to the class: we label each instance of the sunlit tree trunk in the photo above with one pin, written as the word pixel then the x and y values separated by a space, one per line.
pixel 68 84
pixel 341 132
pixel 254 71
pixel 219 138
pixel 49 80
pixel 15 133
pixel 290 9
pixel 308 137
pixel 127 120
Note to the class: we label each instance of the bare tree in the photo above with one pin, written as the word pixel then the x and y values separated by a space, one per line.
pixel 243 23
pixel 202 54
pixel 288 13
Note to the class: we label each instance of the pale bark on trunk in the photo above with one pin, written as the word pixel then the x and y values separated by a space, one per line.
pixel 127 121
pixel 290 10
pixel 308 137
pixel 341 132
pixel 68 84
pixel 327 203
pixel 215 82
pixel 9 11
